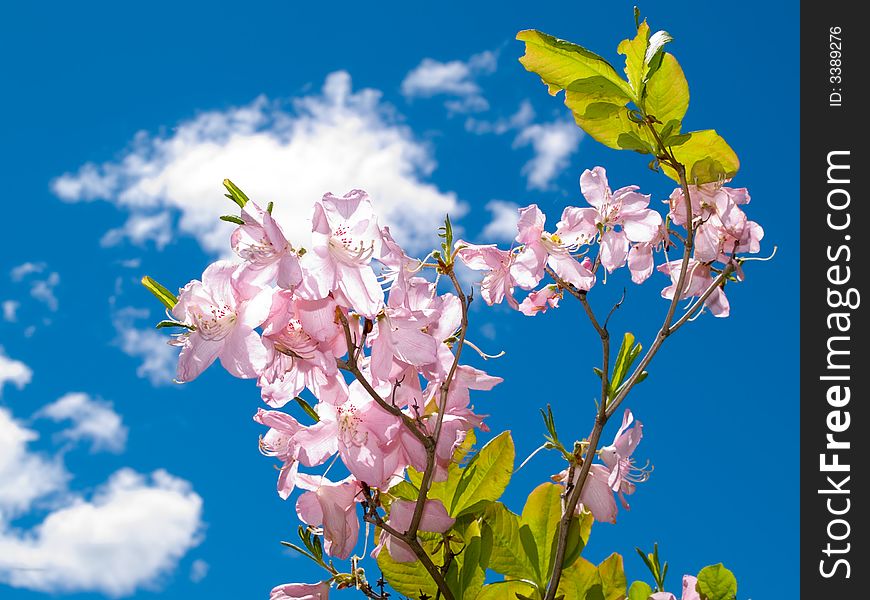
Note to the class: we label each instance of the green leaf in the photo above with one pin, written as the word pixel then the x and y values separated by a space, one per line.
pixel 634 51
pixel 410 579
pixel 404 490
pixel 578 537
pixel 560 63
pixel 612 575
pixel 639 590
pixel 707 158
pixel 717 583
pixel 581 581
pixel 541 516
pixel 467 578
pixel 169 323
pixel 507 557
pixel 485 477
pixel 161 293
pixel 232 219
pixel 235 194
pixel 307 408
pixel 666 96
pixel 628 353
pixel 507 590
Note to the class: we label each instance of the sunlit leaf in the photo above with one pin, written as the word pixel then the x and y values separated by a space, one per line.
pixel 707 158
pixel 666 96
pixel 410 579
pixel 717 583
pixel 612 575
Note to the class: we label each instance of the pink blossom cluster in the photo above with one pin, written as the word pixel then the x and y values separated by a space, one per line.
pixel 296 320
pixel 626 232
pixel 293 319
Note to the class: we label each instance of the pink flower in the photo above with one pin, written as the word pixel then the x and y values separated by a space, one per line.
pixel 617 474
pixel 333 505
pixel 302 340
pixel 617 456
pixel 705 198
pixel 223 322
pixel 542 248
pixel 640 256
pixel 401 336
pixel 301 591
pixel 267 254
pixel 617 217
pixel 690 591
pixel 697 280
pixel 540 300
pixel 279 442
pixel 345 238
pixel 500 280
pixel 434 519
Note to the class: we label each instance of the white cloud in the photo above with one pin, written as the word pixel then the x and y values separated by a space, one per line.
pixel 524 115
pixel 553 144
pixel 13 371
pixel 23 270
pixel 140 228
pixel 93 420
pixel 198 570
pixel 158 357
pixel 455 78
pixel 334 141
pixel 10 310
pixel 24 476
pixel 503 225
pixel 131 533
pixel 43 290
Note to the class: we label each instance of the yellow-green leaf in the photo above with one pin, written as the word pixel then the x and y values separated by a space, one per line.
pixel 486 476
pixel 468 572
pixel 717 583
pixel 507 590
pixel 639 590
pixel 508 556
pixel 445 490
pixel 634 51
pixel 581 581
pixel 410 579
pixel 560 63
pixel 161 293
pixel 707 158
pixel 612 577
pixel 666 95
pixel 541 516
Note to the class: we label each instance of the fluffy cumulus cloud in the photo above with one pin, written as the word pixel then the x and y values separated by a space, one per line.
pixel 91 420
pixel 10 310
pixel 127 535
pixel 158 358
pixel 13 372
pixel 24 476
pixel 130 533
pixel 334 140
pixel 456 79
pixel 553 144
pixel 503 223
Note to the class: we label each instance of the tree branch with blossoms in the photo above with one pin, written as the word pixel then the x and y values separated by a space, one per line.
pixel 368 343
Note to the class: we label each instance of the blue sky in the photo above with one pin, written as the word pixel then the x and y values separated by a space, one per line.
pixel 120 124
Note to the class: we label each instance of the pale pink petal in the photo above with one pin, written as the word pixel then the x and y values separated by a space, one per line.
pixel 593 185
pixel 360 285
pixel 614 249
pixel 718 303
pixel 642 226
pixel 577 273
pixel 530 224
pixel 578 226
pixel 528 266
pixel 243 354
pixel 690 584
pixel 197 354
pixel 301 591
pixel 597 496
pixel 640 262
